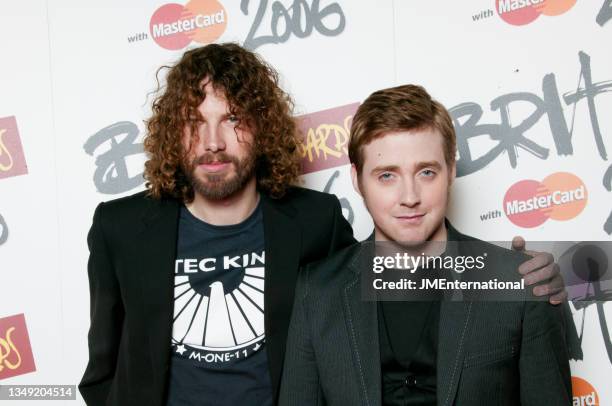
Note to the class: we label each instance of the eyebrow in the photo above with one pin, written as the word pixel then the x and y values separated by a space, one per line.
pixel 425 164
pixel 418 166
pixel 386 168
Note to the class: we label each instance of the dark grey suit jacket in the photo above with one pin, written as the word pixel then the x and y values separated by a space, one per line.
pixel 489 353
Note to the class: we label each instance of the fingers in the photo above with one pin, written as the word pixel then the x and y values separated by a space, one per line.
pixel 540 260
pixel 558 298
pixel 554 288
pixel 518 243
pixel 541 268
pixel 542 274
pixel 531 253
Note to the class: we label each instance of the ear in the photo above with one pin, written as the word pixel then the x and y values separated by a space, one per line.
pixel 355 179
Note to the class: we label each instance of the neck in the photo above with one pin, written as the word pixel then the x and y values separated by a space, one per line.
pixel 224 212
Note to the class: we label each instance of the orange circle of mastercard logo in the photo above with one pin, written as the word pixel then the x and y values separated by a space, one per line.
pixel 521 12
pixel 583 393
pixel 174 26
pixel 560 196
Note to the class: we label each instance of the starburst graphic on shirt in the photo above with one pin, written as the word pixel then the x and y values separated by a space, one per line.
pixel 231 320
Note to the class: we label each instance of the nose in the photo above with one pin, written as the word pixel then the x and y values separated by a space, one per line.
pixel 211 137
pixel 410 193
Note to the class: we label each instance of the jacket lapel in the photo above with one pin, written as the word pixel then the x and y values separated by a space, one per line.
pixel 157 245
pixel 453 328
pixel 362 325
pixel 282 241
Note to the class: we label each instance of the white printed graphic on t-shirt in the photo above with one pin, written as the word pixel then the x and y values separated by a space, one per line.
pixel 219 307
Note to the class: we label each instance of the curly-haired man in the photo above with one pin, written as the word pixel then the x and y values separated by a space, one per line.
pixel 192 281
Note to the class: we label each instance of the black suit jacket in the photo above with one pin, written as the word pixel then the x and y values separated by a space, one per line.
pixel 489 353
pixel 132 245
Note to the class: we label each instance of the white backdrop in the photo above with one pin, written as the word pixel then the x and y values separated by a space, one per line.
pixel 75 76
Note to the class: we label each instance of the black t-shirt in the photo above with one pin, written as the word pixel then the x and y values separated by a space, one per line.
pixel 218 339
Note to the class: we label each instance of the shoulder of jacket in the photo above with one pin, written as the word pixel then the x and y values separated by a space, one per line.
pixel 132 205
pixel 328 272
pixel 296 194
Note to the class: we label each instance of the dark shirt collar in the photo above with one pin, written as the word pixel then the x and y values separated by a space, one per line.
pixel 451 233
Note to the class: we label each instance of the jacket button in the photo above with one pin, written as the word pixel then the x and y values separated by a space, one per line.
pixel 410 381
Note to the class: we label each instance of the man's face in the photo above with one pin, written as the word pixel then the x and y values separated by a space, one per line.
pixel 405 185
pixel 221 160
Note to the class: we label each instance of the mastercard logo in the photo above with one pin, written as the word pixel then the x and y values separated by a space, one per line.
pixel 174 26
pixel 560 196
pixel 583 393
pixel 521 12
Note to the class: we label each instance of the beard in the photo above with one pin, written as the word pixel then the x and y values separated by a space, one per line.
pixel 220 186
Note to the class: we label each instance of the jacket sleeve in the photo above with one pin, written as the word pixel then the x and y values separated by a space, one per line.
pixel 342 232
pixel 300 380
pixel 544 360
pixel 106 315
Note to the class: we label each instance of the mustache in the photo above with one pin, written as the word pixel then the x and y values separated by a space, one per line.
pixel 209 158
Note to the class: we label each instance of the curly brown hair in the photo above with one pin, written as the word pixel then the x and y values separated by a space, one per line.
pixel 251 88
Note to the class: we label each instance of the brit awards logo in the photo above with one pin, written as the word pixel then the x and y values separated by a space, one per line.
pixel 12 159
pixel 15 352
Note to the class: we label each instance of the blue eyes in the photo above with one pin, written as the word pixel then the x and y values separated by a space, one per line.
pixel 428 172
pixel 233 119
pixel 388 177
pixel 385 176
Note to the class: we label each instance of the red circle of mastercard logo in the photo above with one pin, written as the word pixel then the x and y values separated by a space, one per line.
pixel 583 393
pixel 521 12
pixel 174 26
pixel 560 196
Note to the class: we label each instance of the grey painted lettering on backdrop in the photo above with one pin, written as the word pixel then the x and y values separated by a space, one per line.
pixel 607 182
pixel 589 92
pixel 111 175
pixel 509 138
pixel 298 19
pixel 4 231
pixel 344 202
pixel 556 119
pixel 605 14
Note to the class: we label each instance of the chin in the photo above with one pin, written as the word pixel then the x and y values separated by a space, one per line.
pixel 413 238
pixel 421 234
pixel 404 236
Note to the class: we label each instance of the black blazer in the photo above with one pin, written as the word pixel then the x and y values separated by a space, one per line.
pixel 489 353
pixel 132 245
